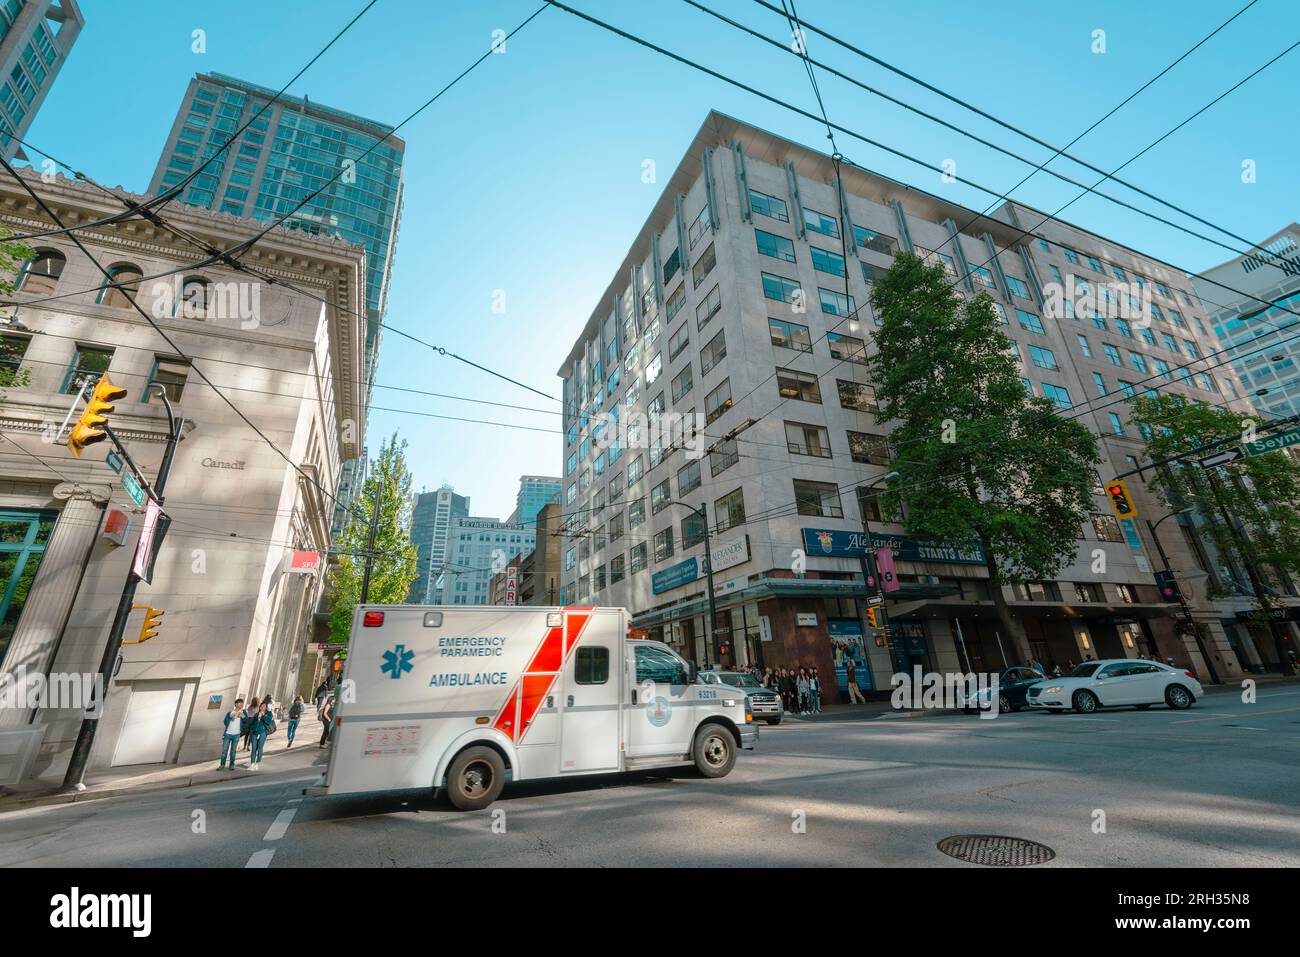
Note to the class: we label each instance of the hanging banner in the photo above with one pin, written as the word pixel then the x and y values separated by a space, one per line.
pixel 156 523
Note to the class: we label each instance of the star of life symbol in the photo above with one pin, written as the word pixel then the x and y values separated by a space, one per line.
pixel 397 661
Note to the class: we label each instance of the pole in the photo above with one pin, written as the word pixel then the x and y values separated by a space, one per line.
pixel 1182 601
pixel 710 627
pixel 370 543
pixel 870 572
pixel 73 778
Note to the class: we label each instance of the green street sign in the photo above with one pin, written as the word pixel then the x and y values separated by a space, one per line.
pixel 1273 443
pixel 133 488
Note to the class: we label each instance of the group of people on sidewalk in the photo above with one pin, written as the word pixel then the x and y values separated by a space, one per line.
pixel 252 726
pixel 800 689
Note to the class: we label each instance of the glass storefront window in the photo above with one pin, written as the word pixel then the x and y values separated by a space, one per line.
pixel 23 537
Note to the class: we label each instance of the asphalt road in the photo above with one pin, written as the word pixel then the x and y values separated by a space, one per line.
pixel 1217 785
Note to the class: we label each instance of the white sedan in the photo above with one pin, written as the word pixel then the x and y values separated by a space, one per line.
pixel 1119 682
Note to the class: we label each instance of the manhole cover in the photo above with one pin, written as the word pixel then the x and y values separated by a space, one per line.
pixel 994 851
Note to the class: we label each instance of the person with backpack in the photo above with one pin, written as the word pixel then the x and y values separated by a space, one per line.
pixel 234 727
pixel 247 730
pixel 295 715
pixel 263 725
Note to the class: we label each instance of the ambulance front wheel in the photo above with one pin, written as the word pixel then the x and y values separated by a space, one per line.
pixel 475 778
pixel 715 751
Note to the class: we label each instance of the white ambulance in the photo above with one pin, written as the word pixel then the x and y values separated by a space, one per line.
pixel 466 698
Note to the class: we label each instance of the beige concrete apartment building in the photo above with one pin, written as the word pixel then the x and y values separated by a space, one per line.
pixel 237 609
pixel 731 304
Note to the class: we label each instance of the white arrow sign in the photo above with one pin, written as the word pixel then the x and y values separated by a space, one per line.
pixel 1222 458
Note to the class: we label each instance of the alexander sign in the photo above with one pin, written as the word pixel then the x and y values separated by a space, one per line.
pixel 833 543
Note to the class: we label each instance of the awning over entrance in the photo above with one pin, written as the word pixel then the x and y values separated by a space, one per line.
pixel 1097 612
pixel 765 588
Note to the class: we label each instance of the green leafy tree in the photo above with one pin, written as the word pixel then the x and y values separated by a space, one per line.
pixel 1249 510
pixel 12 256
pixel 978 458
pixel 393 570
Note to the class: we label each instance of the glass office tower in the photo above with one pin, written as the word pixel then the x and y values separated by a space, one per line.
pixel 35 37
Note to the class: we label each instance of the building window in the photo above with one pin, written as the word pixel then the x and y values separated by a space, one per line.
pixel 678 341
pixel 616 569
pixel 821 223
pixel 869 505
pixel 688 478
pixel 1017 287
pixel 879 242
pixel 698 226
pixel 817 498
pixel 790 335
pixel 729 511
pixel 828 262
pixel 170 374
pixel 1106 528
pixel 682 383
pixel 41 273
pixel 781 290
pixel 1043 358
pixel 857 396
pixel 836 303
pixel 717 402
pixel 868 449
pixel 723 457
pixel 792 384
pixel 770 244
pixel 660 496
pixel 1030 321
pixel 713 353
pixel 671 307
pixel 664 544
pixel 88 364
pixel 811 440
pixel 640 557
pixel 769 206
pixel 1059 395
pixel 12 350
pixel 673 264
pixel 703 266
pixel 121 286
pixel 846 348
pixel 692 531
pixel 1116 426
pixel 706 309
pixel 195 296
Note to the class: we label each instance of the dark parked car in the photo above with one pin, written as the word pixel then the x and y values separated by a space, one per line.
pixel 1013 686
pixel 765 704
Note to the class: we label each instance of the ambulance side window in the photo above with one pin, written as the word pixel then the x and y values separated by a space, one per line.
pixel 591 666
pixel 655 664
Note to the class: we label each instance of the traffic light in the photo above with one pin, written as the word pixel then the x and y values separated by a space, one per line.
pixel 873 616
pixel 1120 500
pixel 1168 586
pixel 87 431
pixel 149 627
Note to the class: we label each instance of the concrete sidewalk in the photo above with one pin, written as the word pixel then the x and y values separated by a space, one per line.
pixel 141 778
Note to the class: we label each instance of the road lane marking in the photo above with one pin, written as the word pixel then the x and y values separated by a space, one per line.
pixel 261 858
pixel 280 824
pixel 1239 714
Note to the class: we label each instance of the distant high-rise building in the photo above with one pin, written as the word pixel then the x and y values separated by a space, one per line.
pixel 431 518
pixel 291 150
pixel 476 548
pixel 535 493
pixel 35 37
pixel 1268 370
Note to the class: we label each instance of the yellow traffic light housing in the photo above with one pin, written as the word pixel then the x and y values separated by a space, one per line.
pixel 1120 499
pixel 149 627
pixel 87 430
pixel 873 616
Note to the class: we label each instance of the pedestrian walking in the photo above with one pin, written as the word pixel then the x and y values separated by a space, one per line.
pixel 270 706
pixel 815 691
pixel 855 696
pixel 295 715
pixel 322 692
pixel 247 731
pixel 263 726
pixel 326 715
pixel 234 727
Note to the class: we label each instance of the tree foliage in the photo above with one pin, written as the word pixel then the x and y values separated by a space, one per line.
pixel 12 256
pixel 1249 510
pixel 978 458
pixel 389 479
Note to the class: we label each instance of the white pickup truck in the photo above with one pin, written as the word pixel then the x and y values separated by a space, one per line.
pixel 465 698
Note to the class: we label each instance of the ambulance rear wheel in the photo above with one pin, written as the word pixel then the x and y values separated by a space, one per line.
pixel 475 778
pixel 715 751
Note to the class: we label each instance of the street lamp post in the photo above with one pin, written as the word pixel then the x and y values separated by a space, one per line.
pixel 1182 599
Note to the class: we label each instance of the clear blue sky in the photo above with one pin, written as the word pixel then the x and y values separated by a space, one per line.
pixel 527 176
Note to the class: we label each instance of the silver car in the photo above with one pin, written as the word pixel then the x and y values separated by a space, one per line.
pixel 763 702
